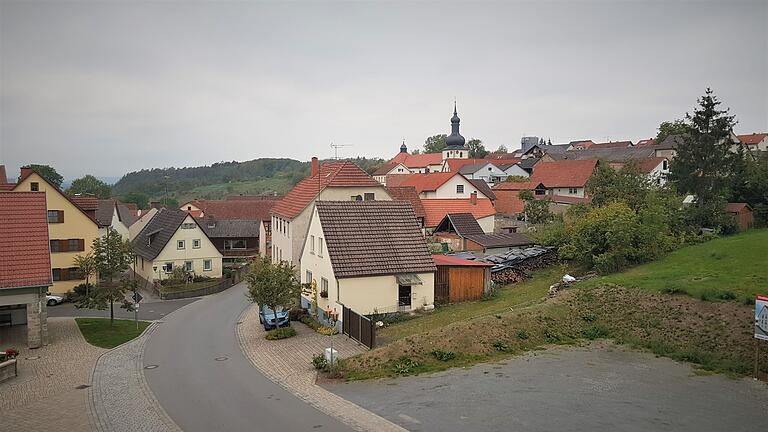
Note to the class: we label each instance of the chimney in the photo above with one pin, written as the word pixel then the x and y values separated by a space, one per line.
pixel 315 167
pixel 473 198
pixel 3 177
pixel 25 171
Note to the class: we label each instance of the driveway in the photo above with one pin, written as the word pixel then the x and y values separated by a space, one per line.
pixel 205 383
pixel 601 387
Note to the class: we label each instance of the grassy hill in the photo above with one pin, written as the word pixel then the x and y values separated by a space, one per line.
pixel 727 268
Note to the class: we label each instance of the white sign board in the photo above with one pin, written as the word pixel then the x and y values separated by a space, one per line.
pixel 761 317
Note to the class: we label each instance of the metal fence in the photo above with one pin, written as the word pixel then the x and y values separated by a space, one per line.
pixel 358 327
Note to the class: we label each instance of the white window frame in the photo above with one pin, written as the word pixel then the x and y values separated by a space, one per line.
pixel 168 267
pixel 308 275
pixel 312 244
pixel 181 244
pixel 459 188
pixel 189 266
pixel 320 246
pixel 207 265
pixel 196 244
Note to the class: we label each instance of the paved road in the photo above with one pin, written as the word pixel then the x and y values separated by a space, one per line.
pixel 152 310
pixel 567 390
pixel 203 394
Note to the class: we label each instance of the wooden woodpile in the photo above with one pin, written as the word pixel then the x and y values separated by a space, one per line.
pixel 508 276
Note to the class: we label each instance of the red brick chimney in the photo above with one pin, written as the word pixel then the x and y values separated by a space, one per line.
pixel 25 171
pixel 315 167
pixel 473 198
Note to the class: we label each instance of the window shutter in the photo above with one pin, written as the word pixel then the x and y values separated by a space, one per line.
pixel 63 245
pixel 61 216
pixel 82 245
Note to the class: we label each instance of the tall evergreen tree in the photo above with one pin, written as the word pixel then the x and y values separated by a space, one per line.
pixel 704 160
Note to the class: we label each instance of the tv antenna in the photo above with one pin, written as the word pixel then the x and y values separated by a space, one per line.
pixel 336 147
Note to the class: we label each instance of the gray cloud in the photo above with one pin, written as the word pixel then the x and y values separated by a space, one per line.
pixel 106 87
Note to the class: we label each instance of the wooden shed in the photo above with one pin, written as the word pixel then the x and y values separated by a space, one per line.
pixel 459 279
pixel 742 213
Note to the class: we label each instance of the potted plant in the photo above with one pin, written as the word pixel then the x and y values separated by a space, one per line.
pixel 8 364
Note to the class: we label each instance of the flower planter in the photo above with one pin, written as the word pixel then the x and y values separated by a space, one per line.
pixel 8 370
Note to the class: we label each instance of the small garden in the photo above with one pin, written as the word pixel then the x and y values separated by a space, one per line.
pixel 181 280
pixel 103 334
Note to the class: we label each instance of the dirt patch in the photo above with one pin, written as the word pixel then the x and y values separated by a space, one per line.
pixel 715 335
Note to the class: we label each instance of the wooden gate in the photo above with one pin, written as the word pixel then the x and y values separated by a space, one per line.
pixel 358 327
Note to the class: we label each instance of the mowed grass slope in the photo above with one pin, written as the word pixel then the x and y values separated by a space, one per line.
pixel 727 268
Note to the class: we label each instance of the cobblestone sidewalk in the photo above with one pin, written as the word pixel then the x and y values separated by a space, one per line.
pixel 120 399
pixel 287 362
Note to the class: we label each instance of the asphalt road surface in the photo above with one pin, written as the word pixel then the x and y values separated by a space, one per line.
pixel 205 383
pixel 149 310
pixel 585 389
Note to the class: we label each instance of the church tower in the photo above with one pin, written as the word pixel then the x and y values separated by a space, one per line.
pixel 455 144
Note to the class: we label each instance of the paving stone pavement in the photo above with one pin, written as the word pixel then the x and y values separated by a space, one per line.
pixel 287 362
pixel 45 393
pixel 120 399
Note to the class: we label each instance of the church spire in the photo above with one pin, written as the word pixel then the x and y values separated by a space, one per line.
pixel 455 139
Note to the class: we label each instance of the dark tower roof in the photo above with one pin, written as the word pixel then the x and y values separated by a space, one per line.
pixel 403 148
pixel 455 141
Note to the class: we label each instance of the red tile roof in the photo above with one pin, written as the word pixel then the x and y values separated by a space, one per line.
pixel 646 165
pixel 436 209
pixel 564 199
pixel 25 260
pixel 447 260
pixel 509 202
pixel 86 203
pixel 752 139
pixel 564 173
pixel 514 186
pixel 407 193
pixel 235 209
pixel 454 165
pixel 333 174
pixel 418 161
pixel 646 142
pixel 428 182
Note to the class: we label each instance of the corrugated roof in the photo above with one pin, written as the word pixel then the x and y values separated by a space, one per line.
pixel 371 238
pixel 25 259
pixel 334 174
pixel 437 208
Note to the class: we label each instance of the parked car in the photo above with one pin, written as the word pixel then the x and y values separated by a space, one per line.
pixel 270 320
pixel 53 300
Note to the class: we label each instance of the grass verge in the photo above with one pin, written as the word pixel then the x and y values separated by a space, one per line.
pixel 98 332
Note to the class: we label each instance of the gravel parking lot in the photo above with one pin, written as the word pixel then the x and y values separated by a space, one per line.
pixel 600 387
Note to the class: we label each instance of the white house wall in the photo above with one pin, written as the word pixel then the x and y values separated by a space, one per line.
pixel 178 257
pixel 487 223
pixel 319 264
pixel 567 192
pixel 448 189
pixel 367 295
pixel 515 170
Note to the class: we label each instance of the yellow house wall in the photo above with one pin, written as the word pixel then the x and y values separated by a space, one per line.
pixel 170 253
pixel 76 226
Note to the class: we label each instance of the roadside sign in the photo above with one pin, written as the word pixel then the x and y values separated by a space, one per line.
pixel 761 317
pixel 137 297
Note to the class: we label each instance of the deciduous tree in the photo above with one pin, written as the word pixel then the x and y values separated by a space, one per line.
pixel 272 285
pixel 47 172
pixel 434 144
pixel 476 149
pixel 90 185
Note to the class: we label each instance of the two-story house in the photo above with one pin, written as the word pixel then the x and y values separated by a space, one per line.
pixel 332 181
pixel 173 238
pixel 71 230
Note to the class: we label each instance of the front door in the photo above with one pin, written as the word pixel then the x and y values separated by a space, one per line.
pixel 404 297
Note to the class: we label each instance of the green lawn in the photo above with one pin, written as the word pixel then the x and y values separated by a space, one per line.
pixel 728 268
pixel 98 332
pixel 511 296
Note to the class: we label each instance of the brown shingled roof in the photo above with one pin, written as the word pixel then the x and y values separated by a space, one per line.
pixel 407 193
pixel 373 238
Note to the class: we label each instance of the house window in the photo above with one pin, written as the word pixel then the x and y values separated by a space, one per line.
pixel 180 244
pixel 34 186
pixel 404 297
pixel 490 169
pixel 168 267
pixel 188 225
pixel 369 196
pixel 319 246
pixel 356 198
pixel 312 244
pixel 196 244
pixel 74 245
pixel 461 154
pixel 188 266
pixel 309 276
pixel 665 165
pixel 65 274
pixel 399 170
pixel 207 265
pixel 54 246
pixel 55 216
pixel 324 287
pixel 459 189
pixel 235 244
pixel 573 191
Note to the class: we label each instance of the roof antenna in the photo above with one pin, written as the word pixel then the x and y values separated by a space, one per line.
pixel 335 148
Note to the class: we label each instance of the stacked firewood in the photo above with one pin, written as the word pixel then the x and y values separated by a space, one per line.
pixel 508 276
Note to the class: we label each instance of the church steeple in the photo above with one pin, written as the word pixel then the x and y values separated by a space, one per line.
pixel 403 148
pixel 455 140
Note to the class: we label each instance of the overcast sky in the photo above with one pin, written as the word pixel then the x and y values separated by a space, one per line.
pixel 107 87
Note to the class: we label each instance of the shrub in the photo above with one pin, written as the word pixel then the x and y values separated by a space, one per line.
pixel 551 336
pixel 673 290
pixel 444 355
pixel 749 300
pixel 201 278
pixel 280 333
pixel 405 365
pixel 522 335
pixel 595 332
pixel 315 325
pixel 501 346
pixel 589 317
pixel 295 314
pixel 727 295
pixel 319 362
pixel 490 294
pixel 391 318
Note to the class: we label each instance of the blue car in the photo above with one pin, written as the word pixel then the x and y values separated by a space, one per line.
pixel 270 320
